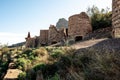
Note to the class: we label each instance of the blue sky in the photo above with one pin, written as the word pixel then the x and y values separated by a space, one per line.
pixel 17 17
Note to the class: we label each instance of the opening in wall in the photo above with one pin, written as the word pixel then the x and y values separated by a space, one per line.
pixel 78 38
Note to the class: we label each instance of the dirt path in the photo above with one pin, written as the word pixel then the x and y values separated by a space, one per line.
pixel 86 44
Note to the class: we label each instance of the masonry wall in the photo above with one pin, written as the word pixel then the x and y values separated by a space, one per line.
pixel 55 35
pixel 116 18
pixel 79 25
pixel 30 43
pixel 44 37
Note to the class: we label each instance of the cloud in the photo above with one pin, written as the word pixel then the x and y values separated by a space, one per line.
pixel 11 38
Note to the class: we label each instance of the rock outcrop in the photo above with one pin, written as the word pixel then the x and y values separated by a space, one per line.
pixel 62 23
pixel 12 74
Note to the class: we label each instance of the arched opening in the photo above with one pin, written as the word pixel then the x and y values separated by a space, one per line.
pixel 78 38
pixel 43 44
pixel 54 42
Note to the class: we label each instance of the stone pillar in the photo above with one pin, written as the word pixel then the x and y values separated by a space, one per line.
pixel 116 18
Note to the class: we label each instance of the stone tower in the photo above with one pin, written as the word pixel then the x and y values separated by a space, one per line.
pixel 78 26
pixel 116 18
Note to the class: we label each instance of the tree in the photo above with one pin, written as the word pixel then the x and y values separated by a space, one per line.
pixel 99 18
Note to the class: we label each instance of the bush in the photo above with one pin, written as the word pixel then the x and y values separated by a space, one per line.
pixel 57 53
pixel 23 64
pixel 55 77
pixel 100 18
pixel 22 76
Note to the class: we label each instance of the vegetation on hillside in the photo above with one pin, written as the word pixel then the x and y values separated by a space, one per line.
pixel 100 18
pixel 62 63
pixel 87 65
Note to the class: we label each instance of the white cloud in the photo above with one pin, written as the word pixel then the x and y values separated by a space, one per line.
pixel 11 38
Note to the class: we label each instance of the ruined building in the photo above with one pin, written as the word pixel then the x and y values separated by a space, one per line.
pixel 55 35
pixel 43 37
pixel 32 42
pixel 47 37
pixel 116 18
pixel 78 26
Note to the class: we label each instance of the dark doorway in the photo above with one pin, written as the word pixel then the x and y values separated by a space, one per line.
pixel 78 38
pixel 43 44
pixel 54 42
pixel 67 32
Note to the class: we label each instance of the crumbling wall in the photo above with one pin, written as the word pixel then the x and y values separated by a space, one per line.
pixel 55 35
pixel 79 25
pixel 116 18
pixel 30 43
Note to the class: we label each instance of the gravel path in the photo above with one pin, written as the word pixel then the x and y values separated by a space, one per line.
pixel 85 44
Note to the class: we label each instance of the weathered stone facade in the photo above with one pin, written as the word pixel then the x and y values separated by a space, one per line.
pixel 116 18
pixel 30 42
pixel 79 25
pixel 55 35
pixel 43 37
pixel 47 37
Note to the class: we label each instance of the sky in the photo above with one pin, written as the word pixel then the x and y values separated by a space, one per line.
pixel 18 17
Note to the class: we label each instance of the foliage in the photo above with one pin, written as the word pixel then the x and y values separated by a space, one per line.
pixel 55 77
pixel 66 64
pixel 22 76
pixel 100 18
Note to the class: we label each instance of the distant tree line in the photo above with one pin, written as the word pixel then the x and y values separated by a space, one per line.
pixel 100 18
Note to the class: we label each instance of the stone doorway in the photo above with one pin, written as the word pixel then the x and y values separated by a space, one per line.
pixel 78 38
pixel 43 44
pixel 54 42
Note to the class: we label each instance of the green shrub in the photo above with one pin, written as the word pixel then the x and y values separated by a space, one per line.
pixel 100 18
pixel 55 77
pixel 22 76
pixel 23 63
pixel 27 52
pixel 56 53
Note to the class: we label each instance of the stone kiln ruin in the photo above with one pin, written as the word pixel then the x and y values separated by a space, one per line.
pixel 55 35
pixel 78 26
pixel 116 18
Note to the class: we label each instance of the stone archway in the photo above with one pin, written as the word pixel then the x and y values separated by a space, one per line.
pixel 54 42
pixel 78 38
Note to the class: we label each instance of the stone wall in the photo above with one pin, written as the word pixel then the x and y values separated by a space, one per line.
pixel 79 25
pixel 30 42
pixel 55 35
pixel 43 37
pixel 116 18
